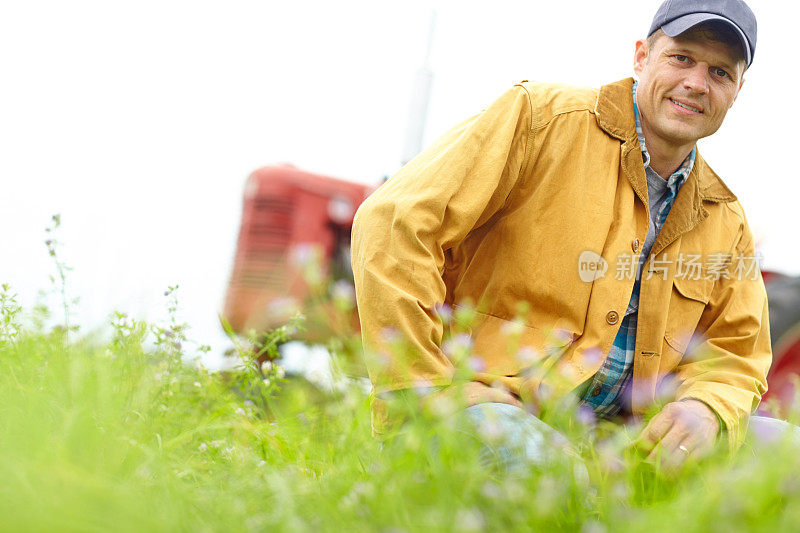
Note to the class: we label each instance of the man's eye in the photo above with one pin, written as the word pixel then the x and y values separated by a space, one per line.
pixel 681 58
pixel 721 73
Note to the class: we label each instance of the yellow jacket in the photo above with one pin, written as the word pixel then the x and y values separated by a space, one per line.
pixel 511 206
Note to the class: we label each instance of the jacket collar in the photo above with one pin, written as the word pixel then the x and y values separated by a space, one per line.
pixel 614 111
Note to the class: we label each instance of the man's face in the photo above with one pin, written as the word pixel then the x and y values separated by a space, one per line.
pixel 686 86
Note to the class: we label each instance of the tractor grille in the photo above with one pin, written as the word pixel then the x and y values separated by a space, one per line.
pixel 263 245
pixel 271 222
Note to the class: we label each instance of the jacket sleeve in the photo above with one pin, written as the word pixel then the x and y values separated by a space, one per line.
pixel 729 371
pixel 401 232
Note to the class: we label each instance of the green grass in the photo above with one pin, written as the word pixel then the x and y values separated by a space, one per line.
pixel 125 435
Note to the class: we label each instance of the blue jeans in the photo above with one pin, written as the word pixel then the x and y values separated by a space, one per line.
pixel 513 439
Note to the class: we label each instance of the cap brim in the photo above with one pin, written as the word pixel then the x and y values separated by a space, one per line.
pixel 681 24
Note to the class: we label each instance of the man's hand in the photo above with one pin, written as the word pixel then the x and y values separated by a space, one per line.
pixel 682 430
pixel 454 398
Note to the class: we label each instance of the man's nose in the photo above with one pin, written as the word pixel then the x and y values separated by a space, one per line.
pixel 696 80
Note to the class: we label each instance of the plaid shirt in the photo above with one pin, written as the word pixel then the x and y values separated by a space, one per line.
pixel 605 392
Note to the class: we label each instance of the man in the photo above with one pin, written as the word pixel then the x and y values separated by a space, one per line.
pixel 591 206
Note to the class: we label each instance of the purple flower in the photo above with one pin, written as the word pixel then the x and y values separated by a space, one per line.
pixel 445 313
pixel 476 364
pixel 458 345
pixel 586 416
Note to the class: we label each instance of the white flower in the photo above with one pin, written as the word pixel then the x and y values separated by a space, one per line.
pixel 491 430
pixel 266 366
pixel 470 520
pixel 344 292
pixel 527 355
pixel 203 447
pixel 458 345
pixel 513 327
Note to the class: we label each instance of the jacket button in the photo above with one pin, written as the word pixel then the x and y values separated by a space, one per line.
pixel 597 390
pixel 635 245
pixel 612 317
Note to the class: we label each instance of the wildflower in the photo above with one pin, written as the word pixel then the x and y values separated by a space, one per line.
pixel 282 308
pixel 586 416
pixel 203 447
pixel 491 430
pixel 593 527
pixel 610 458
pixel 667 388
pixel 443 406
pixel 620 491
pixel 527 355
pixel 390 335
pixel 267 382
pixel 343 293
pixel 280 373
pixel 513 490
pixel 476 364
pixel 458 345
pixel 261 464
pixel 216 443
pixel 266 366
pixel 562 336
pixel 305 255
pixel 492 491
pixel 241 412
pixel 512 328
pixel 445 313
pixel 469 520
pixel 550 491
pixel 197 384
pixel 592 357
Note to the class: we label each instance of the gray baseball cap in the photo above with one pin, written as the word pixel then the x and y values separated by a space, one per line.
pixel 677 16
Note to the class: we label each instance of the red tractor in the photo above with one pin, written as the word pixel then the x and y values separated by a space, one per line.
pixel 295 235
pixel 296 231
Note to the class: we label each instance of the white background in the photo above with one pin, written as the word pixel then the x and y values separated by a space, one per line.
pixel 139 121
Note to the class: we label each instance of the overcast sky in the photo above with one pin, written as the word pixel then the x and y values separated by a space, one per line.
pixel 139 121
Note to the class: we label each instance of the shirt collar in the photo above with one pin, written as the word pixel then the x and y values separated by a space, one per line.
pixel 679 176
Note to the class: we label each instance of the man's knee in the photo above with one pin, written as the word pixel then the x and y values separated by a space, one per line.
pixel 764 431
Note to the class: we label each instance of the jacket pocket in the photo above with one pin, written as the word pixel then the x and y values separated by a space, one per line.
pixel 506 347
pixel 687 303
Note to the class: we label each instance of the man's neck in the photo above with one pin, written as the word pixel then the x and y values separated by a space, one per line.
pixel 665 158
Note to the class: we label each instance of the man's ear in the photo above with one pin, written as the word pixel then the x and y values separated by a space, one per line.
pixel 741 84
pixel 640 56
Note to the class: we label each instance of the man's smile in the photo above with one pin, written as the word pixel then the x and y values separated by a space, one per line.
pixel 693 110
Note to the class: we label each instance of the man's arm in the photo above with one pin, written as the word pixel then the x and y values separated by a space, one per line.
pixel 724 377
pixel 401 233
